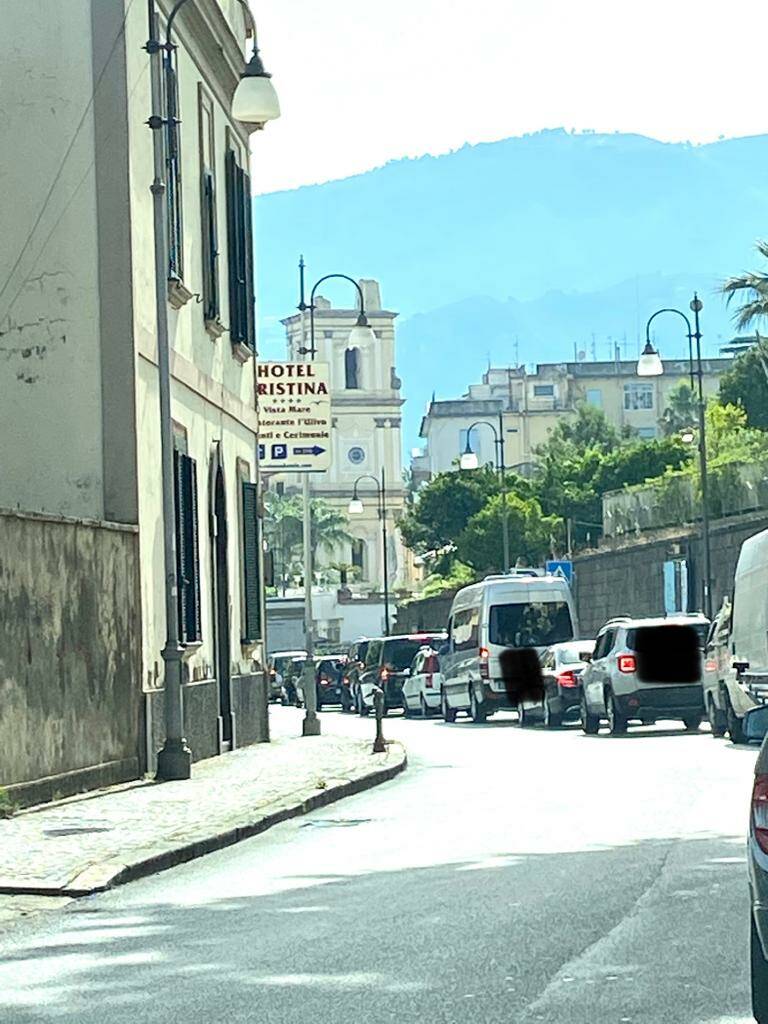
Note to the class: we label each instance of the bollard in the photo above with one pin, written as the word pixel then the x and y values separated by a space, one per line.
pixel 379 746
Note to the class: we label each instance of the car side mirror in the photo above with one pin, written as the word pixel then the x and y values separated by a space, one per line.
pixel 740 666
pixel 755 723
pixel 588 657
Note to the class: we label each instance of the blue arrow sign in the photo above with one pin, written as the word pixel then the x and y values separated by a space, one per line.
pixel 560 568
pixel 314 450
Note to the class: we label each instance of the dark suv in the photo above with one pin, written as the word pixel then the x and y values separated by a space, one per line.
pixel 388 664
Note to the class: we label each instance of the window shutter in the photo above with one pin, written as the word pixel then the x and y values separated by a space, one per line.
pixel 248 267
pixel 210 249
pixel 251 563
pixel 233 246
pixel 187 548
pixel 173 184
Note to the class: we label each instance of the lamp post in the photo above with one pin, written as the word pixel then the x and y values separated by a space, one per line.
pixel 650 365
pixel 360 334
pixel 356 508
pixel 469 460
pixel 256 103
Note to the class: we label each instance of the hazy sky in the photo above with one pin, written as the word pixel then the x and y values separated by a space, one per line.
pixel 366 81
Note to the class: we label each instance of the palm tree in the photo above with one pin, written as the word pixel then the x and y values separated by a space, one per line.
pixel 681 411
pixel 752 286
pixel 284 529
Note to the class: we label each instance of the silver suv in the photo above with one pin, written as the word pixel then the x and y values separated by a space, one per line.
pixel 643 670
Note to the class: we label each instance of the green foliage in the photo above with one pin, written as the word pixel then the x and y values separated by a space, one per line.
pixel 746 385
pixel 459 576
pixel 444 506
pixel 532 535
pixel 284 530
pixel 7 806
pixel 681 411
pixel 752 288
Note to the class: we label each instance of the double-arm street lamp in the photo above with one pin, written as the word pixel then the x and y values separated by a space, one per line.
pixel 254 103
pixel 469 460
pixel 356 508
pixel 650 365
pixel 360 334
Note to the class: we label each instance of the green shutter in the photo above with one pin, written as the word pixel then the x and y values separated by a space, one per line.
pixel 248 265
pixel 210 249
pixel 251 563
pixel 233 259
pixel 187 548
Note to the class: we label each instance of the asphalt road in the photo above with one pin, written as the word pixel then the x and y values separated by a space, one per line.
pixel 508 875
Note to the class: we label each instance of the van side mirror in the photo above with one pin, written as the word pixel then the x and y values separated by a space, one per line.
pixel 740 666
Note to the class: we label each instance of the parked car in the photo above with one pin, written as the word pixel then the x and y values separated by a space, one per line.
pixel 611 685
pixel 561 669
pixel 280 669
pixel 421 690
pixel 515 610
pixel 739 680
pixel 388 665
pixel 354 668
pixel 717 663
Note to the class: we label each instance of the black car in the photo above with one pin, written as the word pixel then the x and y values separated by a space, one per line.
pixel 388 665
pixel 328 679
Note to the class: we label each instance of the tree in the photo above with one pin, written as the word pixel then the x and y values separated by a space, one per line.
pixel 752 287
pixel 681 412
pixel 444 506
pixel 746 384
pixel 532 535
pixel 284 530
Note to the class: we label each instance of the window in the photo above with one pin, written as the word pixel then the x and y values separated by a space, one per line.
pixel 251 563
pixel 173 184
pixel 595 397
pixel 210 242
pixel 242 328
pixel 638 395
pixel 372 655
pixel 646 432
pixel 352 369
pixel 604 644
pixel 543 390
pixel 533 624
pixel 187 548
pixel 358 556
pixel 465 629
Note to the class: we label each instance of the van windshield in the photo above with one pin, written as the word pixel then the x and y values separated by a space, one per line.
pixel 537 624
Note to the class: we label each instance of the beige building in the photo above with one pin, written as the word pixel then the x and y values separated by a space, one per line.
pixel 366 408
pixel 531 404
pixel 79 374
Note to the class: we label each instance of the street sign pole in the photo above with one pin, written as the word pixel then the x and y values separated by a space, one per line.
pixel 311 724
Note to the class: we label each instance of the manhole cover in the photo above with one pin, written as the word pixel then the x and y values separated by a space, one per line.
pixel 335 822
pixel 76 830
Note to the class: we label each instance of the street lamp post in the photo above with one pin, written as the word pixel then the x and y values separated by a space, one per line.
pixel 256 103
pixel 360 334
pixel 356 508
pixel 650 365
pixel 469 460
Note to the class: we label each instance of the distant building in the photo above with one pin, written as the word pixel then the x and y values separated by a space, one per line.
pixel 531 404
pixel 366 407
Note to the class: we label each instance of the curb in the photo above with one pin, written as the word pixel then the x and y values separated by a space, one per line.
pixel 108 874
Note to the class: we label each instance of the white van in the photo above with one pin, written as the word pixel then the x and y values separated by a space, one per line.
pixel 519 609
pixel 736 679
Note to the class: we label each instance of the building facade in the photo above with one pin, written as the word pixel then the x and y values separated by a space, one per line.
pixel 531 405
pixel 366 409
pixel 78 329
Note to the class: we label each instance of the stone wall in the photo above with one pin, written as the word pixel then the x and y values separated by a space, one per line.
pixel 70 683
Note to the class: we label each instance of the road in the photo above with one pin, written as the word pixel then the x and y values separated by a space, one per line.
pixel 507 875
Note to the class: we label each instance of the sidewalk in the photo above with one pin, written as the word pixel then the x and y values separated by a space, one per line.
pixel 90 843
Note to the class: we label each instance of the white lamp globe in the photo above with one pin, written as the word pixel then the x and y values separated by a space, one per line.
pixel 355 507
pixel 649 364
pixel 469 460
pixel 255 100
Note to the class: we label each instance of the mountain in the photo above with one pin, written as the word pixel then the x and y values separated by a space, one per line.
pixel 529 245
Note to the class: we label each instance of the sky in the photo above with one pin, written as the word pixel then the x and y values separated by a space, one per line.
pixel 362 82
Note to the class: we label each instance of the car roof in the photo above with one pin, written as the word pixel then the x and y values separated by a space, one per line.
pixel 432 635
pixel 566 644
pixel 659 620
pixel 288 654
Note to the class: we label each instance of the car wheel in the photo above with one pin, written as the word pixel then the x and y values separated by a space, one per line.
pixel 449 713
pixel 477 711
pixel 692 722
pixel 759 976
pixel 734 724
pixel 406 709
pixel 590 724
pixel 362 710
pixel 523 718
pixel 552 719
pixel 617 723
pixel 716 718
pixel 425 712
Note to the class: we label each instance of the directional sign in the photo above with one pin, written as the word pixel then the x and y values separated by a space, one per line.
pixel 294 416
pixel 560 568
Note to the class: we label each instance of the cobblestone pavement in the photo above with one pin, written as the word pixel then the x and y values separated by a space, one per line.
pixel 85 845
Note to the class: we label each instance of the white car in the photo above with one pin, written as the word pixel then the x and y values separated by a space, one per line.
pixel 422 688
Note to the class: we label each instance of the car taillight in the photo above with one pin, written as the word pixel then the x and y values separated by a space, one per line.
pixel 567 679
pixel 429 680
pixel 626 663
pixel 484 667
pixel 345 680
pixel 384 675
pixel 711 666
pixel 760 811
